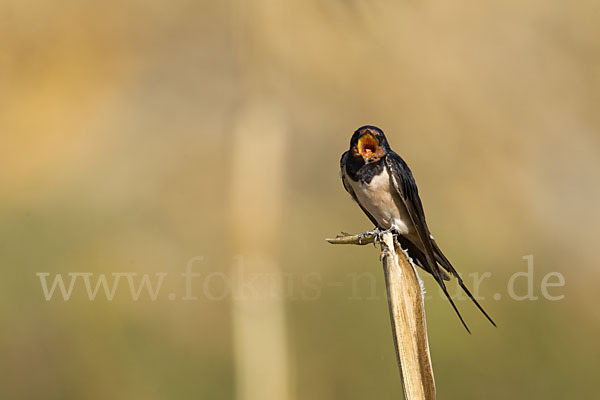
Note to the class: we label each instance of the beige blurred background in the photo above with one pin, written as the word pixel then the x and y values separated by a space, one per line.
pixel 134 131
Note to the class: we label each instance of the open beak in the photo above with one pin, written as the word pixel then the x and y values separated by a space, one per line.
pixel 367 146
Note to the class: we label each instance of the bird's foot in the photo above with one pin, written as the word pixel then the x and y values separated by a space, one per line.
pixel 368 234
pixel 376 234
pixel 379 234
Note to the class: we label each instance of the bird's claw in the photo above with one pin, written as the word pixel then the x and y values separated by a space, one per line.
pixel 367 234
pixel 379 235
pixel 376 234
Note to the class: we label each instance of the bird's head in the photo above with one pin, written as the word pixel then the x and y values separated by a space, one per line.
pixel 369 144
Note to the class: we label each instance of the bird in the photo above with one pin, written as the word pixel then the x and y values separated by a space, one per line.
pixel 383 186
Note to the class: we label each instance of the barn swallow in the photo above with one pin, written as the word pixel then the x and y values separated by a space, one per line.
pixel 384 188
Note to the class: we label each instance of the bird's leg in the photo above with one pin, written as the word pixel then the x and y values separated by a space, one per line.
pixel 379 234
pixel 374 232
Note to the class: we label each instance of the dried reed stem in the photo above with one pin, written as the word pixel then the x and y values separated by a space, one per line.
pixel 407 314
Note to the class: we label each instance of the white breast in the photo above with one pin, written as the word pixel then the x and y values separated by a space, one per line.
pixel 383 203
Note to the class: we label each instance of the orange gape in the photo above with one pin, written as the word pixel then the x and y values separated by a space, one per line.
pixel 367 145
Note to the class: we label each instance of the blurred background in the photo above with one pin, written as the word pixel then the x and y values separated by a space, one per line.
pixel 147 136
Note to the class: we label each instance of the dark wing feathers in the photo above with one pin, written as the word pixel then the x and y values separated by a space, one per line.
pixel 418 256
pixel 403 182
pixel 443 261
pixel 405 185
